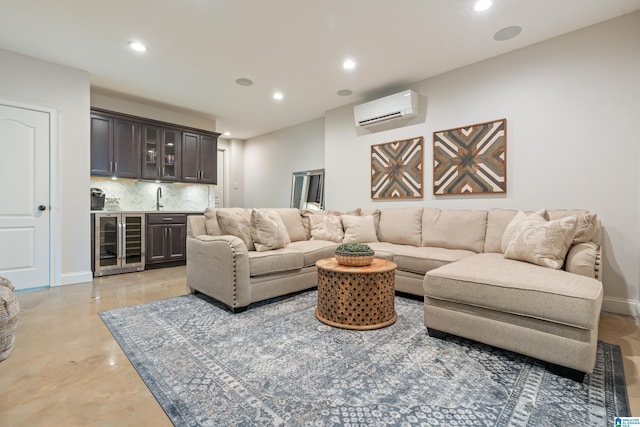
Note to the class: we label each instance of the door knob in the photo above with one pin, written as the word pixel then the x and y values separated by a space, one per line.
pixel 42 208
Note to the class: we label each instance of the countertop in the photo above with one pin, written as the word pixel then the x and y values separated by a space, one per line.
pixel 168 212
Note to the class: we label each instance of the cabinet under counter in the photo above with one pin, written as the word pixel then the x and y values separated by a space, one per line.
pixel 166 239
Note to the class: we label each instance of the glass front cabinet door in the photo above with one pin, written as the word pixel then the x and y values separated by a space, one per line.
pixel 161 153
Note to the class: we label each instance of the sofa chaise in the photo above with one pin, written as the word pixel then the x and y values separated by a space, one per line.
pixel 490 276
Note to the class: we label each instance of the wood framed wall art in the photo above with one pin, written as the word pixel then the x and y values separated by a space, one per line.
pixel 471 159
pixel 396 169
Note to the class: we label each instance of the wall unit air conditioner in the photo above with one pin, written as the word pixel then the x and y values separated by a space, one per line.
pixel 403 104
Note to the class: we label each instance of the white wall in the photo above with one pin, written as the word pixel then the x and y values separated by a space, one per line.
pixel 572 106
pixel 67 90
pixel 271 159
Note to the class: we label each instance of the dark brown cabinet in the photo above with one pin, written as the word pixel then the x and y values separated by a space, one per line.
pixel 161 156
pixel 115 146
pixel 134 147
pixel 166 242
pixel 199 158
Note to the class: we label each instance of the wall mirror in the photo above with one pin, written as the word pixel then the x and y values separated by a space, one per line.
pixel 307 190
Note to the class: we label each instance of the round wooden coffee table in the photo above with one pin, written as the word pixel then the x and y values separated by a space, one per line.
pixel 356 297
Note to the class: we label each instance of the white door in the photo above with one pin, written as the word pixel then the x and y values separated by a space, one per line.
pixel 24 196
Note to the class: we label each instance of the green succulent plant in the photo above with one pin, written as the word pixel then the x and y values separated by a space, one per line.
pixel 354 248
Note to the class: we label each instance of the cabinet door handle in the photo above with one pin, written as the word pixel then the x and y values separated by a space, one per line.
pixel 115 166
pixel 169 233
pixel 110 166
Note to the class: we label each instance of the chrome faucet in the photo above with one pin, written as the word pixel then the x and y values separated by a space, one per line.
pixel 158 196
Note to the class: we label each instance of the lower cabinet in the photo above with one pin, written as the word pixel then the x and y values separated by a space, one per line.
pixel 166 240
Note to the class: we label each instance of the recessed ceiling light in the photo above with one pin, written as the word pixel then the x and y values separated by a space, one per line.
pixel 278 96
pixel 227 133
pixel 482 5
pixel 507 33
pixel 349 64
pixel 344 92
pixel 244 82
pixel 138 47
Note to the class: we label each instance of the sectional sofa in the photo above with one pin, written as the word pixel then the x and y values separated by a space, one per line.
pixel 525 282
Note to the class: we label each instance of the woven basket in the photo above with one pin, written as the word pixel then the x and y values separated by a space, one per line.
pixel 354 260
pixel 9 310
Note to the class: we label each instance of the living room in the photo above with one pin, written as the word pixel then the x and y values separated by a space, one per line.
pixel 571 103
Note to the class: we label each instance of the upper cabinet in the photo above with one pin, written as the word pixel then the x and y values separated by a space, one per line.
pixel 115 147
pixel 133 147
pixel 161 153
pixel 199 158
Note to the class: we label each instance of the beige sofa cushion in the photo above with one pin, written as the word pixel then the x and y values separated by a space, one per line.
pixel 211 222
pixel 268 231
pixel 422 259
pixel 293 222
pixel 454 228
pixel 313 250
pixel 359 229
pixel 236 224
pixel 542 242
pixel 401 225
pixel 326 227
pixel 276 261
pixel 497 222
pixel 581 259
pixel 490 281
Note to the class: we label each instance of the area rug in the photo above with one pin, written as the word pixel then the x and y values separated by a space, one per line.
pixel 277 365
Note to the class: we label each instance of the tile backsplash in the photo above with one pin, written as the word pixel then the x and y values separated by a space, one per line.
pixel 141 195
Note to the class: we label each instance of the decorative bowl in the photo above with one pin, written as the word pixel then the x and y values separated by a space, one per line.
pixel 352 259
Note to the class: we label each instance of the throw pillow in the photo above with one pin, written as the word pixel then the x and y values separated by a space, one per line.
pixel 268 231
pixel 542 242
pixel 236 224
pixel 514 226
pixel 587 227
pixel 326 227
pixel 359 229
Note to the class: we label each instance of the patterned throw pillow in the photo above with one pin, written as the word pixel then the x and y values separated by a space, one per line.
pixel 236 224
pixel 514 226
pixel 268 231
pixel 326 227
pixel 542 242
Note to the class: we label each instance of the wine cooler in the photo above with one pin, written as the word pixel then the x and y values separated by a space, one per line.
pixel 119 243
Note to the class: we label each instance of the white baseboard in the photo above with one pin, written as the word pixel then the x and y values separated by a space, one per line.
pixel 626 307
pixel 75 278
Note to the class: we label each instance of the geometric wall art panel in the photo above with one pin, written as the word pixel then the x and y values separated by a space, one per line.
pixel 471 159
pixel 396 169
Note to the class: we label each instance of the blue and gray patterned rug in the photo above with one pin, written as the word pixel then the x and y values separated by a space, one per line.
pixel 277 365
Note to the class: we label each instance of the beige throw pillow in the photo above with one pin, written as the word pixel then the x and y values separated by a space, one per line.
pixel 359 229
pixel 514 226
pixel 326 227
pixel 236 224
pixel 542 242
pixel 268 231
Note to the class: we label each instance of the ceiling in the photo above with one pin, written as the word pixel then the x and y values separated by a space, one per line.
pixel 198 48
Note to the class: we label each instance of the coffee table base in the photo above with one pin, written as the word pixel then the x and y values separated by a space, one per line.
pixel 359 298
pixel 357 327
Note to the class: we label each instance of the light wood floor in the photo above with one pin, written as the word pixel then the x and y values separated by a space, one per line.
pixel 67 370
